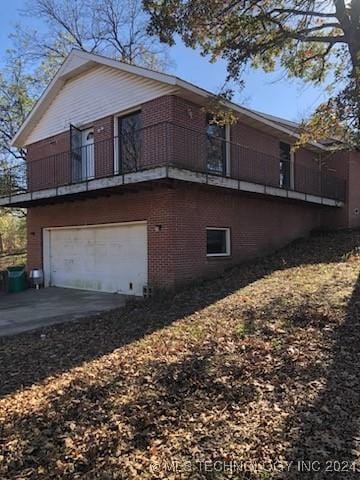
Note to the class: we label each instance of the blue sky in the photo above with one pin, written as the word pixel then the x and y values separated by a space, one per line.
pixel 265 92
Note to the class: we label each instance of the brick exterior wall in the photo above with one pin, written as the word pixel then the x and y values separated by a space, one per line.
pixel 347 166
pixel 307 175
pixel 353 204
pixel 173 132
pixel 48 147
pixel 177 253
pixel 104 147
pixel 258 226
pixel 152 206
pixel 188 133
pixel 256 155
pixel 49 162
pixel 154 137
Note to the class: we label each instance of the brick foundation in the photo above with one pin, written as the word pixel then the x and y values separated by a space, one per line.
pixel 177 250
pixel 173 133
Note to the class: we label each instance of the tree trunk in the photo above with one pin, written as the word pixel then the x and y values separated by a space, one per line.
pixel 349 19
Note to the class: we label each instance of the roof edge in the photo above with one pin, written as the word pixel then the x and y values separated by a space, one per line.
pixel 77 60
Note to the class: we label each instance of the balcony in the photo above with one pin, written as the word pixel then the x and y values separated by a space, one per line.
pixel 164 151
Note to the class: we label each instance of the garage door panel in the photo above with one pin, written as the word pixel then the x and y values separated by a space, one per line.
pixel 103 258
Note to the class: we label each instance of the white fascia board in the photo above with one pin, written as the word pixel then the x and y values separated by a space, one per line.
pixel 233 106
pixel 75 63
pixel 78 61
pixel 125 67
pixel 40 106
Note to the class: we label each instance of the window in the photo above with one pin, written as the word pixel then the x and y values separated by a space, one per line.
pixel 217 242
pixel 285 165
pixel 129 142
pixel 75 148
pixel 216 147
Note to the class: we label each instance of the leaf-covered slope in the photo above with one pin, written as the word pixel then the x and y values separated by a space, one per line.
pixel 247 372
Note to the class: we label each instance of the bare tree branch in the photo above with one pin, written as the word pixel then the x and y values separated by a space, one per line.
pixel 117 28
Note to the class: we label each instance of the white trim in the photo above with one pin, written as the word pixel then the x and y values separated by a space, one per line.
pixel 248 113
pixel 116 145
pixel 227 239
pixel 75 63
pixel 87 155
pixel 85 126
pixel 46 254
pixel 46 235
pixel 128 111
pixel 290 166
pixel 122 114
pixel 98 225
pixel 228 150
pixel 292 169
pixel 78 62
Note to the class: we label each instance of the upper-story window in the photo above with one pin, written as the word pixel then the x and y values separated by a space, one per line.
pixel 129 142
pixel 217 147
pixel 285 165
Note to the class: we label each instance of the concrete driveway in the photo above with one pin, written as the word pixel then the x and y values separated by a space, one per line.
pixel 32 309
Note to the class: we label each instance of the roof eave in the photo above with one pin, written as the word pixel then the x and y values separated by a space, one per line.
pixel 252 115
pixel 78 61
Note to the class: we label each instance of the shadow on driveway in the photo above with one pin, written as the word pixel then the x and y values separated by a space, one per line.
pixel 31 357
pixel 33 309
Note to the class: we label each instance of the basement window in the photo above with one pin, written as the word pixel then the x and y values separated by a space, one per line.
pixel 217 242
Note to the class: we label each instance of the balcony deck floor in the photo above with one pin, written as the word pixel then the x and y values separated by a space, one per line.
pixel 160 173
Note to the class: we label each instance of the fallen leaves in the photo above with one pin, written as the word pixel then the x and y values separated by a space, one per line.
pixel 261 365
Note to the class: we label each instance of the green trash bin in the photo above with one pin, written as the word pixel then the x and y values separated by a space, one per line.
pixel 16 279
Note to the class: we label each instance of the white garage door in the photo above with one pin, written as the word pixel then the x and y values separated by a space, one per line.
pixel 106 258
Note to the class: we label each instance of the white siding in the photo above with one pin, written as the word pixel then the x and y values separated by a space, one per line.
pixel 92 95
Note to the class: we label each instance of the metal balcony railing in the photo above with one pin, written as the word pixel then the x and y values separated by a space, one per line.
pixel 171 145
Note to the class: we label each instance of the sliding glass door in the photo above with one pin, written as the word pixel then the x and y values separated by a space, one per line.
pixel 128 143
